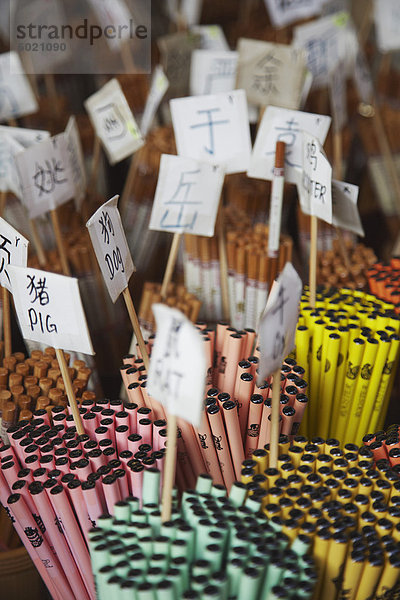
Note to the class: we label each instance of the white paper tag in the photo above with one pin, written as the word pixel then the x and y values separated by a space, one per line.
pixel 286 12
pixel 9 177
pixel 45 175
pixel 25 137
pixel 159 85
pixel 213 129
pixel 178 365
pixel 344 207
pixel 212 37
pixel 76 161
pixel 114 122
pixel 191 11
pixel 387 24
pixel 338 97
pixel 315 191
pixel 271 73
pixel 16 96
pixel 49 309
pixel 187 196
pixel 13 251
pixel 281 124
pixel 278 324
pixel 212 72
pixel 327 42
pixel 111 248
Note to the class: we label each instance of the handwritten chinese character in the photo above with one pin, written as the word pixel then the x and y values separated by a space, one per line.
pixel 221 68
pixel 5 259
pixel 169 377
pixel 107 226
pixel 46 178
pixel 38 290
pixel 113 121
pixel 265 80
pixel 311 154
pixel 210 123
pixel 288 134
pixel 173 335
pixel 281 305
pixel 180 197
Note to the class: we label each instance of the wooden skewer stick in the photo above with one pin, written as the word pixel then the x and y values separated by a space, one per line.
pixel 37 242
pixel 338 155
pixel 223 268
pixel 51 92
pixel 60 242
pixel 173 255
pixel 95 164
pixel 313 260
pixel 169 471
pixel 3 202
pixel 6 322
pixel 136 327
pixel 275 406
pixel 130 178
pixel 127 59
pixel 70 391
pixel 366 23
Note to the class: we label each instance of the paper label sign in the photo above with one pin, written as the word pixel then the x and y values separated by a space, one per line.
pixel 387 24
pixel 176 51
pixel 9 177
pixel 278 324
pixel 327 42
pixel 178 365
pixel 114 122
pixel 13 251
pixel 212 37
pixel 187 196
pixel 285 12
pixel 344 207
pixel 159 85
pixel 49 309
pixel 111 248
pixel 212 72
pixel 213 129
pixel 16 96
pixel 45 175
pixel 25 137
pixel 271 73
pixel 280 124
pixel 76 161
pixel 315 191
